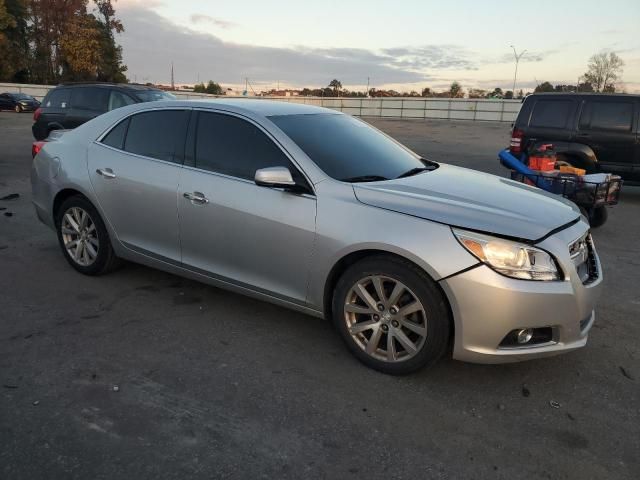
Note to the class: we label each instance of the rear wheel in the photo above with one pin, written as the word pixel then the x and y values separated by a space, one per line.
pixel 391 315
pixel 18 108
pixel 83 237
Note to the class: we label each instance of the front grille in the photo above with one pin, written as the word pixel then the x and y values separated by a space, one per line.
pixel 584 259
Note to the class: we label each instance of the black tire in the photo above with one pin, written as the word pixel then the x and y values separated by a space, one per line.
pixel 18 108
pixel 597 216
pixel 422 286
pixel 105 260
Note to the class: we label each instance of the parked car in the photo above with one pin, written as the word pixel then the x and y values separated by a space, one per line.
pixel 318 211
pixel 70 105
pixel 595 132
pixel 18 102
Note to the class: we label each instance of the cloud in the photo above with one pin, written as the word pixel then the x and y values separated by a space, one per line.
pixel 151 42
pixel 199 18
pixel 527 57
pixel 433 57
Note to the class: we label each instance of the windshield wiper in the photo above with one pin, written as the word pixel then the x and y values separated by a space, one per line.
pixel 364 178
pixel 415 171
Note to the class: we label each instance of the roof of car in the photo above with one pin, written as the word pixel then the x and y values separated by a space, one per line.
pixel 129 86
pixel 265 108
pixel 585 94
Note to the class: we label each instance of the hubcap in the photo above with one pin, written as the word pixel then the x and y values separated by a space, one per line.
pixel 80 236
pixel 393 333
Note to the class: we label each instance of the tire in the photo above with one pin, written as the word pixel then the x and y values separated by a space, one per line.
pixel 597 216
pixel 17 109
pixel 93 237
pixel 360 324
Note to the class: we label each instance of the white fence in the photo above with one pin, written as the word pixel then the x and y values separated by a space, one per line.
pixel 397 107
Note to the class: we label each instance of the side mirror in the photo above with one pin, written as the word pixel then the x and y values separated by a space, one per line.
pixel 274 177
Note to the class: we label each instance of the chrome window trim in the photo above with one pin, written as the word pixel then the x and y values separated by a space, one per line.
pixel 104 145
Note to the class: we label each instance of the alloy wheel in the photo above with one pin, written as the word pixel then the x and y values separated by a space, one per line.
pixel 385 318
pixel 80 236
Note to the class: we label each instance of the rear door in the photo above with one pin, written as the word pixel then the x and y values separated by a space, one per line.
pixel 134 171
pixel 607 126
pixel 86 103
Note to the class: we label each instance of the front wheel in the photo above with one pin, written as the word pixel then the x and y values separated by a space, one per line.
pixel 391 315
pixel 18 108
pixel 83 237
pixel 597 216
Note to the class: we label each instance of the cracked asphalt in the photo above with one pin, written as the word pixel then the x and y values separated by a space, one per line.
pixel 142 374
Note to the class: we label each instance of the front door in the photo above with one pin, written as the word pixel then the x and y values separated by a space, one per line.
pixel 230 228
pixel 135 171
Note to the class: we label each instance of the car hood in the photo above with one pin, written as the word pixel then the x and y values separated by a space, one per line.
pixel 465 198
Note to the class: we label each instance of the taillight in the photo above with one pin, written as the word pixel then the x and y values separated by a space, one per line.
pixel 36 114
pixel 515 147
pixel 36 147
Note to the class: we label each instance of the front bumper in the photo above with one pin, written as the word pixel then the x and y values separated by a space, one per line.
pixel 486 306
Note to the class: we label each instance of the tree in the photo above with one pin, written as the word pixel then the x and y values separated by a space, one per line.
pixel 426 92
pixel 496 93
pixel 508 94
pixel 603 70
pixel 79 48
pixel 335 85
pixel 544 87
pixel 455 90
pixel 110 66
pixel 213 88
pixel 477 93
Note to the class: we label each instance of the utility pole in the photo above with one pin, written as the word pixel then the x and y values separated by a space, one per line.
pixel 517 57
pixel 173 85
pixel 367 95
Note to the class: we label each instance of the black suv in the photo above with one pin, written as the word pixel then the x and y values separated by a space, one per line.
pixel 70 105
pixel 597 132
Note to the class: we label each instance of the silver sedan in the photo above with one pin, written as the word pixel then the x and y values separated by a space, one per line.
pixel 318 211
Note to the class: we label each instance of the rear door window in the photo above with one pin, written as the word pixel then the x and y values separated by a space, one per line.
pixel 90 98
pixel 57 98
pixel 551 113
pixel 158 134
pixel 118 99
pixel 614 116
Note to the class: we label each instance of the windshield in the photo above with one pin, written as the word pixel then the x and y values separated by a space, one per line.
pixel 154 95
pixel 346 148
pixel 22 96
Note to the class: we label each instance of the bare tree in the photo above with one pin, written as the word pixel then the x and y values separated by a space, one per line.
pixel 603 70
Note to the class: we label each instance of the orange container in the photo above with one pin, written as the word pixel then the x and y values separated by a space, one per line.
pixel 543 164
pixel 569 169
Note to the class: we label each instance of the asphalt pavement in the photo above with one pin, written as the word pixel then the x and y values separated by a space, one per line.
pixel 142 374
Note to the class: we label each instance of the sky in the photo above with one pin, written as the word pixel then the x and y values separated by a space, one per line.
pixel 403 44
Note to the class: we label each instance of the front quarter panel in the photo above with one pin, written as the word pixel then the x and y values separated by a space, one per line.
pixel 345 226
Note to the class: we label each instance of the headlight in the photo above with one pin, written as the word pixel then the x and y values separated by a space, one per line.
pixel 512 259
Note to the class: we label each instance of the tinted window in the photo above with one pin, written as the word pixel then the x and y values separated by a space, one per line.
pixel 344 147
pixel 607 116
pixel 232 146
pixel 153 95
pixel 115 138
pixel 57 98
pixel 90 98
pixel 551 113
pixel 119 99
pixel 157 134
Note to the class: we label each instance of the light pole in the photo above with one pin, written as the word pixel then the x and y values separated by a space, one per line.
pixel 515 75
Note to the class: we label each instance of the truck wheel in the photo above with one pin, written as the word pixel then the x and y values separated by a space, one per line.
pixel 598 216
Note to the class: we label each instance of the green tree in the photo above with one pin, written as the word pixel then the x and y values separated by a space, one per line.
pixel 426 92
pixel 544 87
pixel 213 88
pixel 603 71
pixel 110 67
pixel 335 85
pixel 508 94
pixel 455 90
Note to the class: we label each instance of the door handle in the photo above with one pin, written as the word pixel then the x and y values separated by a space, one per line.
pixel 106 172
pixel 196 198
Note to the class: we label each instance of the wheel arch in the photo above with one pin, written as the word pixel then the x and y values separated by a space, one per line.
pixel 351 258
pixel 582 155
pixel 62 195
